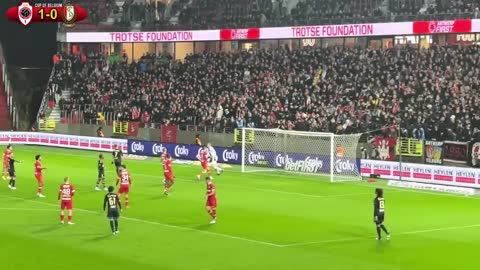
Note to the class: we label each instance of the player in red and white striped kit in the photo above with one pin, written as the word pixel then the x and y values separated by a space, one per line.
pixel 203 157
pixel 65 197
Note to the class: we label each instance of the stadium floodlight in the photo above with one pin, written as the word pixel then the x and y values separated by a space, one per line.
pixel 335 157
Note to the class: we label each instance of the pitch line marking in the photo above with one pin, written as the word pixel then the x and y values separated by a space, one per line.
pixel 27 209
pixel 160 224
pixel 393 235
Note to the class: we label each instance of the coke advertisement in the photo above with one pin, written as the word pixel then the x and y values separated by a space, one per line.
pixel 181 151
pixel 296 162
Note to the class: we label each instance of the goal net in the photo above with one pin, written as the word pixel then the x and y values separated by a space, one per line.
pixel 330 156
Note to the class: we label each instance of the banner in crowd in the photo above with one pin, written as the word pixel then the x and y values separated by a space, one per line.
pixel 385 147
pixel 168 134
pixel 290 32
pixel 475 153
pixel 444 175
pixel 59 140
pixel 455 152
pixel 133 128
pixel 181 151
pixel 434 152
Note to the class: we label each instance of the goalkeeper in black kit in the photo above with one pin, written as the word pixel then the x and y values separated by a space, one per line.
pixel 379 213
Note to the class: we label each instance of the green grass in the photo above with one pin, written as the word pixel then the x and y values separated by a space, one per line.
pixel 277 221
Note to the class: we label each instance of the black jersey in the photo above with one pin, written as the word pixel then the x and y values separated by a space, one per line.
pixel 111 202
pixel 11 164
pixel 117 157
pixel 378 206
pixel 101 166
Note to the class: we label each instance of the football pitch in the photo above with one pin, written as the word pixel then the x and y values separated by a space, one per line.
pixel 265 221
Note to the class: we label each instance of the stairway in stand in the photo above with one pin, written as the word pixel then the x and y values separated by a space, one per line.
pixel 5 121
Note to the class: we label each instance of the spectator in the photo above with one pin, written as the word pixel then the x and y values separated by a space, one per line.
pixel 100 132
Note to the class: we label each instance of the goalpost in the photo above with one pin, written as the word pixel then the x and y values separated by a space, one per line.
pixel 330 156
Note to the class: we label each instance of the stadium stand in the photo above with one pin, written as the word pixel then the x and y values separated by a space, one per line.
pixel 5 121
pixel 339 90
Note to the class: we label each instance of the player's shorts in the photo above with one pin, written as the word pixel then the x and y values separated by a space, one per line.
pixel 113 214
pixel 66 205
pixel 168 177
pixel 11 173
pixel 101 175
pixel 39 178
pixel 212 201
pixel 205 165
pixel 379 218
pixel 124 189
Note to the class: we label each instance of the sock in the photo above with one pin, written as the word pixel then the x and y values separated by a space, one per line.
pixel 40 190
pixel 379 233
pixel 112 225
pixel 116 225
pixel 103 183
pixel 126 202
pixel 213 213
pixel 69 218
pixel 384 229
pixel 62 217
pixel 12 183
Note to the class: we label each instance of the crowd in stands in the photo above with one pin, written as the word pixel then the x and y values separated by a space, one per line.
pixel 431 93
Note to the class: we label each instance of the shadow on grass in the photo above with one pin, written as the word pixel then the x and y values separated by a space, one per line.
pixel 102 237
pixel 48 229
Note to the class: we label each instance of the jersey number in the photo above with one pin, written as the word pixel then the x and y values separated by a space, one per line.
pixel 112 201
pixel 382 204
pixel 124 178
pixel 66 191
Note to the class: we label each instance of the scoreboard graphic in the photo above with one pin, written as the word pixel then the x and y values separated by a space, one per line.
pixel 67 13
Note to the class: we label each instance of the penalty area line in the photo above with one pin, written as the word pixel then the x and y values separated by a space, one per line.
pixel 393 235
pixel 157 224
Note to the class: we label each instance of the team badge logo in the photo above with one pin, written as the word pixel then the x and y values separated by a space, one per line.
pixel 69 15
pixel 25 13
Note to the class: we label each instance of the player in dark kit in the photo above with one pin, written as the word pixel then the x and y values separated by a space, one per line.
pixel 379 213
pixel 11 172
pixel 101 174
pixel 111 203
pixel 117 158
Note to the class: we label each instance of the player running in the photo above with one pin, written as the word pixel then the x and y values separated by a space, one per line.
pixel 214 158
pixel 379 213
pixel 6 156
pixel 117 155
pixel 211 200
pixel 125 181
pixel 65 197
pixel 101 174
pixel 11 172
pixel 39 175
pixel 203 157
pixel 112 201
pixel 168 174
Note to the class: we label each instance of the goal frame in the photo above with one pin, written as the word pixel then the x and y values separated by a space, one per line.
pixel 330 136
